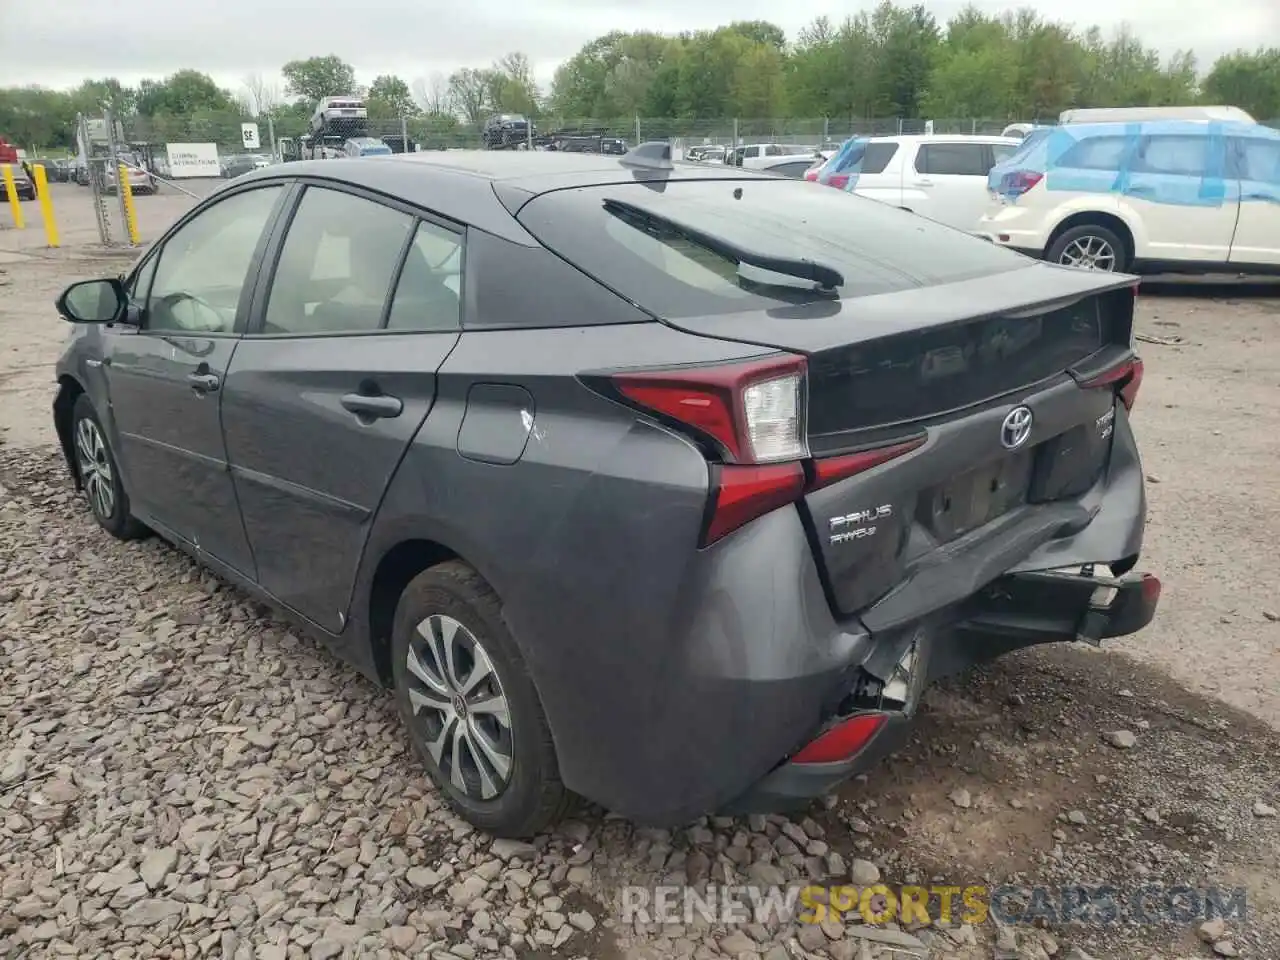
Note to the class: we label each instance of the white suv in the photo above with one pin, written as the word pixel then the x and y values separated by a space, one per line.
pixel 1172 196
pixel 940 177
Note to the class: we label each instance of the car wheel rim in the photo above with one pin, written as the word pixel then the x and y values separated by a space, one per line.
pixel 457 697
pixel 95 468
pixel 1089 253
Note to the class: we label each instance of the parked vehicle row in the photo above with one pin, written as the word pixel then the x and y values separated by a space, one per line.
pixel 1151 196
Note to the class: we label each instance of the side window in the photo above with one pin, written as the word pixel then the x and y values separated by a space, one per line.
pixel 1257 160
pixel 773 150
pixel 1095 153
pixel 877 156
pixel 202 268
pixel 1180 156
pixel 428 294
pixel 953 159
pixel 336 265
pixel 1001 152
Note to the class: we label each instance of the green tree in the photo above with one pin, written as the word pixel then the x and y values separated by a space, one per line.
pixel 1250 81
pixel 315 78
pixel 182 93
pixel 389 97
pixel 469 94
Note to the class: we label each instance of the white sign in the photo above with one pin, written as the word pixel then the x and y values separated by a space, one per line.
pixel 249 133
pixel 193 160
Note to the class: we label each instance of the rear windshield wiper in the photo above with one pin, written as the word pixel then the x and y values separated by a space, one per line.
pixel 786 271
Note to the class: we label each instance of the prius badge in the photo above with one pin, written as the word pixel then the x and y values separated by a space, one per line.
pixel 1016 429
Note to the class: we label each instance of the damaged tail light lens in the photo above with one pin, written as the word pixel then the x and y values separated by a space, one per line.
pixel 1125 378
pixel 749 419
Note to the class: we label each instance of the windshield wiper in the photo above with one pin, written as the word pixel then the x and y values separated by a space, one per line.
pixel 788 271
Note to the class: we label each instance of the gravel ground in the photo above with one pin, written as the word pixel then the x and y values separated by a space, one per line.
pixel 182 776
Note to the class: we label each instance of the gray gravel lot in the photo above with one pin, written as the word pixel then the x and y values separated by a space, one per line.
pixel 182 776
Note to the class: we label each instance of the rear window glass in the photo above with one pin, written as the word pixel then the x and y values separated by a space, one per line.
pixel 877 248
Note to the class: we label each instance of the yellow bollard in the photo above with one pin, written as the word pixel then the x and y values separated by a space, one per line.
pixel 130 215
pixel 15 204
pixel 46 206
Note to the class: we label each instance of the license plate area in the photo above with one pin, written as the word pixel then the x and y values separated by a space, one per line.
pixel 971 499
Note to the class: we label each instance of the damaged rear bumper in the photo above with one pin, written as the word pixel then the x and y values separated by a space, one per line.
pixel 1018 610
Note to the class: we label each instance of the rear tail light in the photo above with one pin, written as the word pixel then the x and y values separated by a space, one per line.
pixel 1125 378
pixel 812 175
pixel 749 420
pixel 838 180
pixel 752 412
pixel 1019 182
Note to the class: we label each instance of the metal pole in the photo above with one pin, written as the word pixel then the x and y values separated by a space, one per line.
pixel 735 133
pixel 637 128
pixel 271 132
pixel 528 132
pixel 115 164
pixel 404 133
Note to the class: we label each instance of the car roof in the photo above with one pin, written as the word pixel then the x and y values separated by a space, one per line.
pixel 945 138
pixel 1167 127
pixel 480 187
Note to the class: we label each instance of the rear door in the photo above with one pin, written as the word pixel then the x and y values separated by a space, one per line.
pixel 948 182
pixel 1256 166
pixel 332 381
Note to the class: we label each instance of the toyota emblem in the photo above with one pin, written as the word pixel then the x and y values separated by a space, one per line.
pixel 1016 428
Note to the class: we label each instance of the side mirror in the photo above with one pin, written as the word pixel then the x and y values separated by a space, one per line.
pixel 93 301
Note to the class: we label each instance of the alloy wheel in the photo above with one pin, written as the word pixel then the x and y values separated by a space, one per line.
pixel 95 468
pixel 457 696
pixel 1089 253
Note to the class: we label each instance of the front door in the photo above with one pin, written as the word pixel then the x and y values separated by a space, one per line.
pixel 165 377
pixel 1257 166
pixel 331 383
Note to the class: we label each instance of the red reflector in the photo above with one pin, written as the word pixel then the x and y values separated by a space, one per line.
pixel 843 740
pixel 829 470
pixel 746 493
pixel 1150 588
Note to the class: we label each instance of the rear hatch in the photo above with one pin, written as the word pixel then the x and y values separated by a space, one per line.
pixel 927 341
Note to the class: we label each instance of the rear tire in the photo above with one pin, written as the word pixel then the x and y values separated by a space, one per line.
pixel 99 474
pixel 1090 246
pixel 458 675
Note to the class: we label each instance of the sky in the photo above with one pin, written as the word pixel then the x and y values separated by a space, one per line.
pixel 59 45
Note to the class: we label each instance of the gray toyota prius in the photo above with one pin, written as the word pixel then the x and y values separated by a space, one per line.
pixel 668 486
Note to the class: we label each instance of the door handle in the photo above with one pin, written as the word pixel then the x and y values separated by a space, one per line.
pixel 203 382
pixel 924 183
pixel 380 405
pixel 1141 191
pixel 1266 197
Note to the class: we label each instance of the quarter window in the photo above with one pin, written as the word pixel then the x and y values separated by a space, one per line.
pixel 1095 153
pixel 428 293
pixel 202 269
pixel 336 265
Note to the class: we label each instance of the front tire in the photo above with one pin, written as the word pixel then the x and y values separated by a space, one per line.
pixel 99 475
pixel 1090 246
pixel 471 709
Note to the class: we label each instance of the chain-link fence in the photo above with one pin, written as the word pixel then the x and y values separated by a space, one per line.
pixel 171 161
